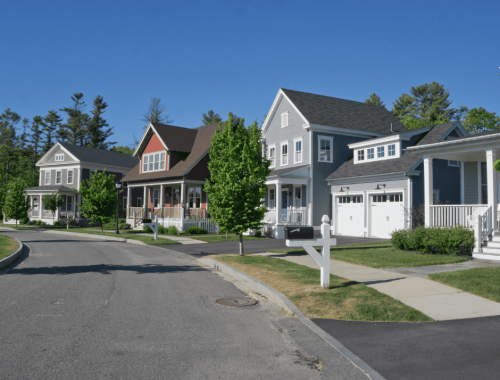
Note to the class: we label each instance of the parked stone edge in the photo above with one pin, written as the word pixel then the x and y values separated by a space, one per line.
pixel 5 262
pixel 282 301
pixel 92 236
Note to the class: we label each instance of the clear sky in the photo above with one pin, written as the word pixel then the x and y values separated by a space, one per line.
pixel 235 55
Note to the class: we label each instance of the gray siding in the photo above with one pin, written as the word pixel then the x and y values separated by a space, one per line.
pixel 276 135
pixel 52 158
pixel 470 183
pixel 321 196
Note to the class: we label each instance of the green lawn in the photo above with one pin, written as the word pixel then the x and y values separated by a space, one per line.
pixel 8 246
pixel 344 299
pixel 484 282
pixel 145 239
pixel 382 255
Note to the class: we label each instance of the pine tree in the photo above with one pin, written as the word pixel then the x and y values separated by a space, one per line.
pixel 156 113
pixel 16 203
pixel 211 118
pixel 97 132
pixel 51 127
pixel 375 100
pixel 75 129
pixel 238 174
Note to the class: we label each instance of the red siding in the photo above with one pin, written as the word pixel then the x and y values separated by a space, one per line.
pixel 155 145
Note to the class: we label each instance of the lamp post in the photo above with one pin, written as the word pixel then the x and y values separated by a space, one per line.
pixel 118 187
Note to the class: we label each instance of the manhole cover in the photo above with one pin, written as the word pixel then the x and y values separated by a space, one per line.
pixel 236 301
pixel 405 271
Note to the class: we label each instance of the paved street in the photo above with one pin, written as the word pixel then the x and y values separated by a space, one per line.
pixel 80 308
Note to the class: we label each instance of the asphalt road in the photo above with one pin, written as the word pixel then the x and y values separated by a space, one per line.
pixel 253 246
pixel 78 308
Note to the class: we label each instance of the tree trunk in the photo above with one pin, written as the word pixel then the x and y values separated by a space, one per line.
pixel 241 245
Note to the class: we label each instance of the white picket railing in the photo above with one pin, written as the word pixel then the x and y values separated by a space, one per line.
pixel 454 215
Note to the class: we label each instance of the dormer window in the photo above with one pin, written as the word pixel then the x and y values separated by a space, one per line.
pixel 371 153
pixel 284 119
pixel 380 151
pixel 361 155
pixel 60 157
pixel 391 150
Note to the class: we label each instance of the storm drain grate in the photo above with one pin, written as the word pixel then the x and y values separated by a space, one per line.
pixel 236 301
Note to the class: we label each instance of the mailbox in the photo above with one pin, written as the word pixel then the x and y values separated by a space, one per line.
pixel 299 232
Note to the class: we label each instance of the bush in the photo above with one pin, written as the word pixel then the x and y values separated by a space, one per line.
pixel 57 223
pixel 451 240
pixel 195 231
pixel 172 231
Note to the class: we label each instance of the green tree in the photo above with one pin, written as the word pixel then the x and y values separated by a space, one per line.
pixel 238 174
pixel 98 197
pixel 122 149
pixel 156 113
pixel 16 204
pixel 97 130
pixel 479 120
pixel 75 129
pixel 52 202
pixel 210 118
pixel 51 127
pixel 375 100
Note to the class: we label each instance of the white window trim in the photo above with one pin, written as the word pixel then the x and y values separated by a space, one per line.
pixel 327 138
pixel 455 166
pixel 269 154
pixel 59 155
pixel 72 177
pixel 283 125
pixel 301 150
pixel 152 155
pixel 58 171
pixel 47 177
pixel 287 154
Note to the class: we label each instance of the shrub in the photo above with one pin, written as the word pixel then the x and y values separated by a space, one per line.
pixel 451 240
pixel 195 231
pixel 172 231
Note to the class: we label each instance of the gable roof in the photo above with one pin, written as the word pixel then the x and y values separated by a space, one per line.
pixel 100 156
pixel 408 160
pixel 345 114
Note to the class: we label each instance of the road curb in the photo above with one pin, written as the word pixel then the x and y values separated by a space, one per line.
pixel 5 262
pixel 281 300
pixel 91 236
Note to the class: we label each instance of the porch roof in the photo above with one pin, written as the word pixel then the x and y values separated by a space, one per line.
pixel 50 188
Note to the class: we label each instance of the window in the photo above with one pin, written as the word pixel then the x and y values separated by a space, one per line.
pixel 325 149
pixel 453 163
pixel 271 198
pixel 298 197
pixel 298 151
pixel 380 151
pixel 361 155
pixel 272 155
pixel 139 201
pixel 284 119
pixel 391 150
pixel 284 154
pixel 484 184
pixel 47 178
pixel 153 162
pixel 396 198
pixel 380 198
pixel 70 177
pixel 194 197
pixel 370 152
pixel 344 199
pixel 59 157
pixel 58 177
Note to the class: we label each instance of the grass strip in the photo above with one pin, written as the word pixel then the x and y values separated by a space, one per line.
pixel 345 299
pixel 8 246
pixel 484 282
pixel 382 255
pixel 145 239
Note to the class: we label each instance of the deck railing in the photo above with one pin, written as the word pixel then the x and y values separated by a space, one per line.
pixel 454 215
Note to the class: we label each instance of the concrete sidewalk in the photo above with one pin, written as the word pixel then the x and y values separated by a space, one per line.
pixel 438 301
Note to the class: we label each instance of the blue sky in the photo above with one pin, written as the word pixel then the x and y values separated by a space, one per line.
pixel 235 55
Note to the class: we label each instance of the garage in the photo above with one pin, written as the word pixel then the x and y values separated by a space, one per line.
pixel 350 215
pixel 387 214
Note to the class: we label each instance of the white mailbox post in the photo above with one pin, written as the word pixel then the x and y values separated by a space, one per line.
pixel 154 227
pixel 325 242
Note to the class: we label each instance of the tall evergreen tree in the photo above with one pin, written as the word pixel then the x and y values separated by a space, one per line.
pixel 211 118
pixel 51 127
pixel 98 131
pixel 75 129
pixel 375 100
pixel 156 113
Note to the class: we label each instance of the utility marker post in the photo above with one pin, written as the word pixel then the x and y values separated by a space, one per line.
pixel 325 242
pixel 154 227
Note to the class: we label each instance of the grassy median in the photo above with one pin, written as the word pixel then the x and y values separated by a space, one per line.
pixel 8 246
pixel 484 282
pixel 123 235
pixel 382 255
pixel 345 299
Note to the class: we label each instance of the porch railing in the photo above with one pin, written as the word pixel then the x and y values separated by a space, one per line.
pixel 454 215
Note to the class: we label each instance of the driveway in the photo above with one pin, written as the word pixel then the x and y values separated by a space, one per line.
pixel 80 308
pixel 253 246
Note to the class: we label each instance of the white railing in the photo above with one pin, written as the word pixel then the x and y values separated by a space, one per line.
pixel 454 215
pixel 486 224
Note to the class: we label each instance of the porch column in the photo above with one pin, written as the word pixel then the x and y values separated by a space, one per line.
pixel 278 202
pixel 129 192
pixel 428 190
pixel 491 157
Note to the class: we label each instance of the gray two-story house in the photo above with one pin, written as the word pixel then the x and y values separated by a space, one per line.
pixel 63 168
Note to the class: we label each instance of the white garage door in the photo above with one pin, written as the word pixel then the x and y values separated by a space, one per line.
pixel 387 214
pixel 350 216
